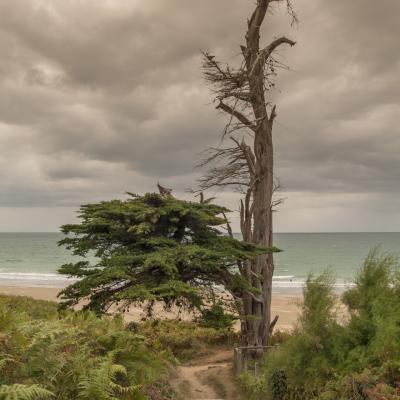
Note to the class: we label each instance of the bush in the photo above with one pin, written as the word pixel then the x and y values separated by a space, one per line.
pixel 71 355
pixel 278 384
pixel 216 317
pixel 35 309
pixel 183 339
pixel 279 337
pixel 323 359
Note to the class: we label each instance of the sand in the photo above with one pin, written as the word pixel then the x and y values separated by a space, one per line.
pixel 284 305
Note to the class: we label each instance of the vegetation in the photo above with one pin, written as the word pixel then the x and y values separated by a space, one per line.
pixel 68 355
pixel 184 340
pixel 73 355
pixel 216 317
pixel 154 248
pixel 327 360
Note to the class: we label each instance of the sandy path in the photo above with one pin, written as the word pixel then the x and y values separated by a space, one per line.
pixel 190 385
pixel 199 379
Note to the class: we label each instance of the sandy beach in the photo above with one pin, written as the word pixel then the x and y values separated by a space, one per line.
pixel 283 305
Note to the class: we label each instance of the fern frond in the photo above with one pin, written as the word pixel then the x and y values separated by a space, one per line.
pixel 102 382
pixel 24 392
pixel 5 360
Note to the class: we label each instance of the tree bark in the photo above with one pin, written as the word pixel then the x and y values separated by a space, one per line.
pixel 262 269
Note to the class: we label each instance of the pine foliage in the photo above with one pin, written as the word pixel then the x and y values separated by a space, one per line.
pixel 152 248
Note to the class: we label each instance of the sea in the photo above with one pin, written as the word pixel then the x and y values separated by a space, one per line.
pixel 32 259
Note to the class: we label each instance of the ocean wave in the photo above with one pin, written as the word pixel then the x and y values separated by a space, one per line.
pixel 34 278
pixel 300 283
pixel 276 277
pixel 30 276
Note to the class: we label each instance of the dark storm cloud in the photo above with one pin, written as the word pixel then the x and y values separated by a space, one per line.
pixel 340 106
pixel 99 97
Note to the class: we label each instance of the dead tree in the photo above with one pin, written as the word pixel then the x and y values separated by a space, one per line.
pixel 241 92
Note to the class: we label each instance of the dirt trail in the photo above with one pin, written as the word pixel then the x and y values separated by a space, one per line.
pixel 208 377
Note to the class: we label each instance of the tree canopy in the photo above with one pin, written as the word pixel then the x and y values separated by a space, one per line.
pixel 153 248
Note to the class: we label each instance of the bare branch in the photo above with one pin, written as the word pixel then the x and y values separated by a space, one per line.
pixel 273 115
pixel 238 166
pixel 227 81
pixel 256 20
pixel 230 168
pixel 163 190
pixel 277 185
pixel 265 53
pixel 272 325
pixel 290 10
pixel 246 216
pixel 277 202
pixel 228 225
pixel 201 197
pixel 275 44
pixel 277 188
pixel 236 114
pixel 203 200
pixel 242 217
pixel 248 154
pixel 257 276
pixel 258 300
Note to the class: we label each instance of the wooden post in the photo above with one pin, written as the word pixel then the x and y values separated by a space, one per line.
pixel 244 360
pixel 256 368
pixel 241 356
pixel 237 359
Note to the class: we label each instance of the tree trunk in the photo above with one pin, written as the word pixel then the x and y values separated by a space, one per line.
pixel 258 308
pixel 241 94
pixel 263 267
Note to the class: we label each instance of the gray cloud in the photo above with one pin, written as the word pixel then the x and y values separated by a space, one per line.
pixel 99 97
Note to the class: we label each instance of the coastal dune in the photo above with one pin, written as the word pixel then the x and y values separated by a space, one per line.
pixel 284 305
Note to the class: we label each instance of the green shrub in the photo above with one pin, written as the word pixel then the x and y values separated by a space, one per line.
pixel 216 317
pixel 279 337
pixel 35 309
pixel 183 339
pixel 323 359
pixel 278 384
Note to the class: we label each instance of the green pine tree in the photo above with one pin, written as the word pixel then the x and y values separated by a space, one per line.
pixel 153 248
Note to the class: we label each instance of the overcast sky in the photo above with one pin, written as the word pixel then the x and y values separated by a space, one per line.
pixel 99 97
